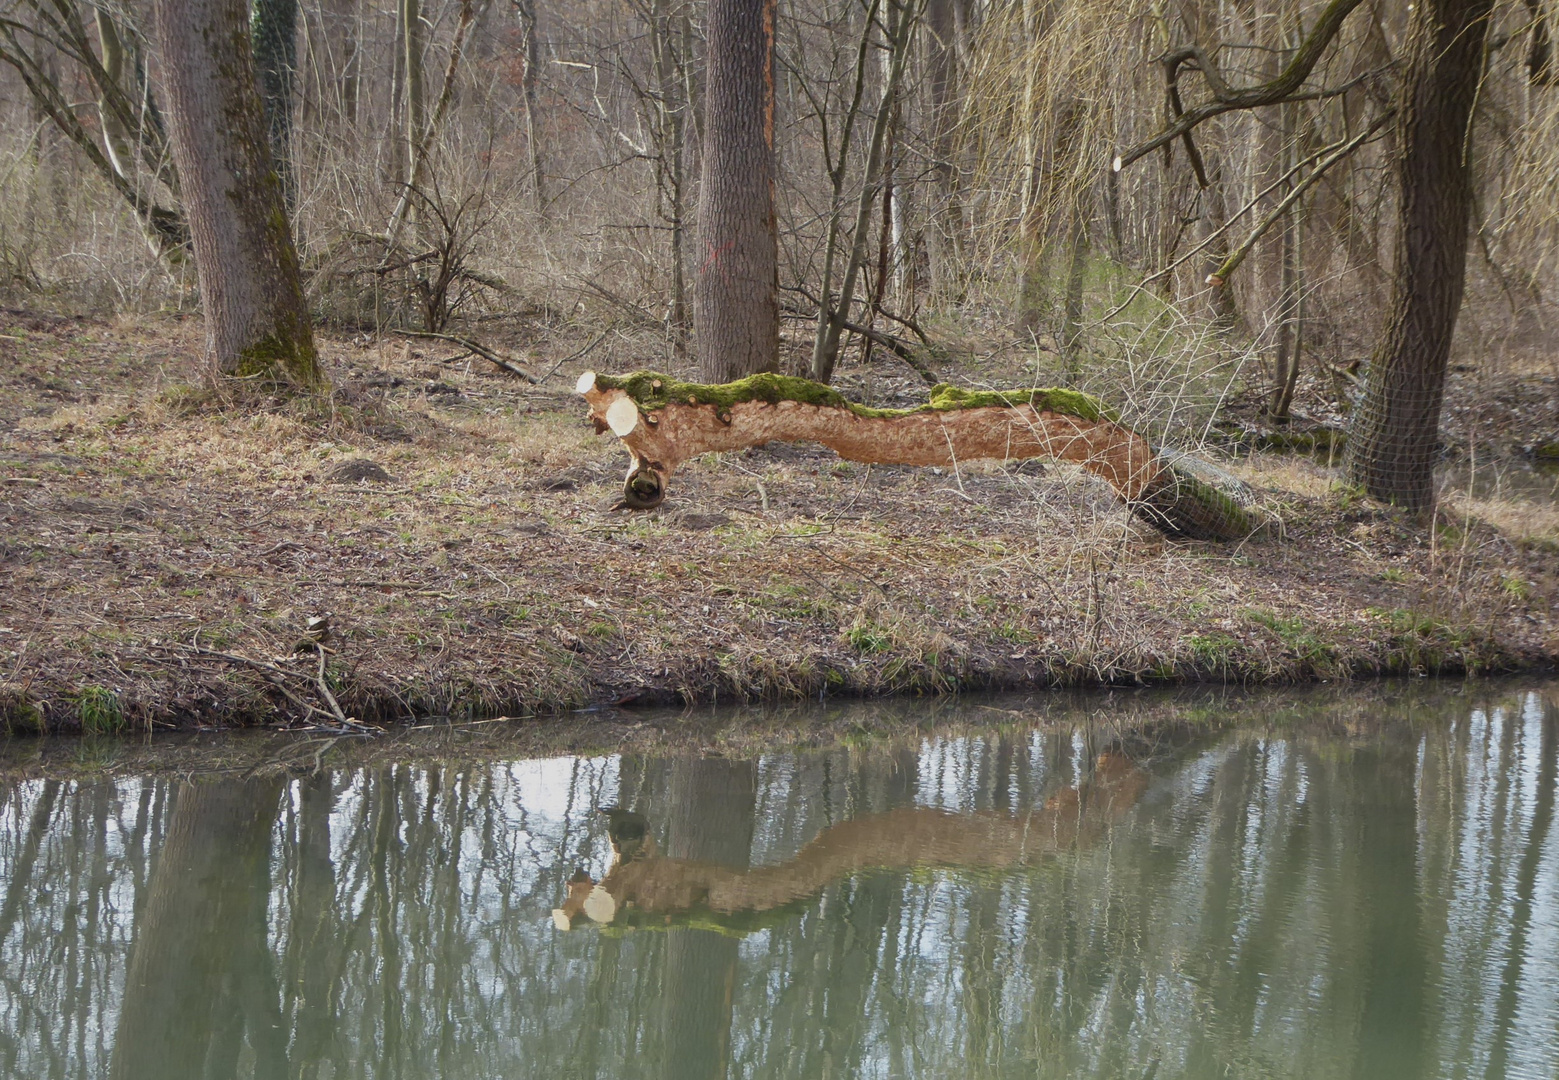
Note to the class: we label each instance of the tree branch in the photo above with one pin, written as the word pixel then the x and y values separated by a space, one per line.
pixel 1284 87
pixel 1221 275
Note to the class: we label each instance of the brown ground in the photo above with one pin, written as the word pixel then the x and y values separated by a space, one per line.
pixel 162 555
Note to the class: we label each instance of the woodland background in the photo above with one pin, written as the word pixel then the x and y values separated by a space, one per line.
pixel 950 160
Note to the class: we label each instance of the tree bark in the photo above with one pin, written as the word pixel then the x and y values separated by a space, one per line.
pixel 1394 438
pixel 736 286
pixel 257 322
pixel 670 59
pixel 530 30
pixel 275 26
pixel 412 45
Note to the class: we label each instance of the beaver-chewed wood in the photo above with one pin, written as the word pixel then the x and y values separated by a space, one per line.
pixel 664 421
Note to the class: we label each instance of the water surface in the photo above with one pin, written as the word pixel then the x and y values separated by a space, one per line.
pixel 1363 884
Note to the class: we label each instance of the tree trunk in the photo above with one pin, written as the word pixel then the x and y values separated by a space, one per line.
pixel 669 55
pixel 530 30
pixel 736 287
pixel 276 55
pixel 831 318
pixel 1394 437
pixel 1072 308
pixel 1029 316
pixel 411 42
pixel 945 227
pixel 712 810
pixel 257 322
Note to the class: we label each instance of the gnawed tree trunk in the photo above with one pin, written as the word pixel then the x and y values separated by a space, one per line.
pixel 257 322
pixel 736 287
pixel 1394 440
pixel 664 422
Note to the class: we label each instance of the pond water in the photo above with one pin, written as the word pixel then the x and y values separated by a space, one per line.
pixel 1325 884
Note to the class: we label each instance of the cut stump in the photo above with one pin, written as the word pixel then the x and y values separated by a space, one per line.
pixel 663 422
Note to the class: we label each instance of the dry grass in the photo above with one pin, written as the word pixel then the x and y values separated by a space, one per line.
pixel 162 554
pixel 1528 523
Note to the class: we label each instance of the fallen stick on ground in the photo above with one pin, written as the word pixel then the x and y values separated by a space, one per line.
pixel 663 422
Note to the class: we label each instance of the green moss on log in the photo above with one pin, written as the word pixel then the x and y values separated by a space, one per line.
pixel 1043 399
pixel 653 390
pixel 1199 501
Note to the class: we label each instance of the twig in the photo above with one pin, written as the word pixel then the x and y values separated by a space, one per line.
pixel 1221 275
pixel 904 350
pixel 330 698
pixel 571 357
pixel 490 355
pixel 639 313
pixel 309 710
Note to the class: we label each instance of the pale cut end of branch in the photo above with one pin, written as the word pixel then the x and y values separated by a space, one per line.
pixel 622 416
pixel 561 920
pixel 1215 281
pixel 1115 165
pixel 586 383
pixel 600 906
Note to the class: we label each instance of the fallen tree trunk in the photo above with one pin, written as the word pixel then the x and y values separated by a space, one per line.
pixel 664 421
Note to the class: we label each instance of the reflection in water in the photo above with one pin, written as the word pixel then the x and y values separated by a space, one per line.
pixel 1323 897
pixel 200 979
pixel 643 884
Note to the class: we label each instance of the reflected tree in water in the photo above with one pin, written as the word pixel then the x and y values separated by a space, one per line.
pixel 200 981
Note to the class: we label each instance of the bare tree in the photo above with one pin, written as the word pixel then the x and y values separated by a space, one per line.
pixel 133 156
pixel 736 314
pixel 848 251
pixel 944 88
pixel 530 32
pixel 257 323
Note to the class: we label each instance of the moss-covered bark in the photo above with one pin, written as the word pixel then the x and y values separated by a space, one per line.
pixel 1197 500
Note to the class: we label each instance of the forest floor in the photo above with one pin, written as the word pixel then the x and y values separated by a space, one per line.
pixel 162 554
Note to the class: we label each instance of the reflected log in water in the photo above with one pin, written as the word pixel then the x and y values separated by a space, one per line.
pixel 645 885
pixel 200 980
